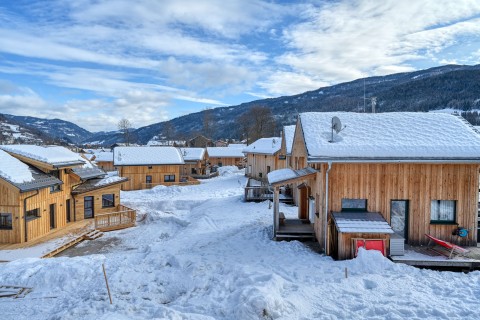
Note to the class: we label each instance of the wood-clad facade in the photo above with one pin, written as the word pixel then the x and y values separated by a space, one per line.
pixel 105 165
pixel 420 185
pixel 52 207
pixel 259 165
pixel 226 161
pixel 43 208
pixel 417 183
pixel 100 205
pixel 144 177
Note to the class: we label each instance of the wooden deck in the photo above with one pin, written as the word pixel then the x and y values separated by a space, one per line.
pixel 125 218
pixel 295 229
pixel 424 256
pixel 72 229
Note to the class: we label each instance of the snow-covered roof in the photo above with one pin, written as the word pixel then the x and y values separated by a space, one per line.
pixel 23 176
pixel 88 173
pixel 14 170
pixel 53 155
pixel 94 184
pixel 153 143
pixel 193 154
pixel 393 135
pixel 224 152
pixel 288 134
pixel 237 145
pixel 361 222
pixel 265 146
pixel 288 174
pixel 136 156
pixel 105 156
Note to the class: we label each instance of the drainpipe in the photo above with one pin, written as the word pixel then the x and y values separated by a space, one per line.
pixel 25 213
pixel 325 224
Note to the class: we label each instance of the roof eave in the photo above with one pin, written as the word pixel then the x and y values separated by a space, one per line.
pixel 391 160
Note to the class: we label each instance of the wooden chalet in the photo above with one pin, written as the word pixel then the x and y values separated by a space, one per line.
pixel 200 142
pixel 38 191
pixel 225 156
pixel 195 162
pixel 146 167
pixel 104 160
pixel 381 179
pixel 288 133
pixel 263 157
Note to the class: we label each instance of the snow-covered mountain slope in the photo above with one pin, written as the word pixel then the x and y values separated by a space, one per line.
pixel 53 128
pixel 202 253
pixel 11 133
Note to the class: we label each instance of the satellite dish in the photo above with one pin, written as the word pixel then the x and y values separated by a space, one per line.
pixel 336 124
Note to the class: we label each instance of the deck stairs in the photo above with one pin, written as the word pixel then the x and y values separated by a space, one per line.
pixel 87 235
pixel 295 229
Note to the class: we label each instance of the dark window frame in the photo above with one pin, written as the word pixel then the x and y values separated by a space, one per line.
pixel 4 221
pixel 168 178
pixel 148 179
pixel 55 188
pixel 354 209
pixel 106 202
pixel 445 222
pixel 33 214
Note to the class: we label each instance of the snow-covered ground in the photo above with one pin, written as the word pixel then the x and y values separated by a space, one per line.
pixel 202 253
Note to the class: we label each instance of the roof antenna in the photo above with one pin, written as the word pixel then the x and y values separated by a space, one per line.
pixel 336 126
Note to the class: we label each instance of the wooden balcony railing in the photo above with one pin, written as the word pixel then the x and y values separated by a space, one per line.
pixel 123 218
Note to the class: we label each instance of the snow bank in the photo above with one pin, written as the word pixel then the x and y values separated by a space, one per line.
pixel 203 253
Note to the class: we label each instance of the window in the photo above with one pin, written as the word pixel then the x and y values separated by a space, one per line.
pixel 354 204
pixel 33 214
pixel 220 164
pixel 148 179
pixel 6 221
pixel 55 188
pixel 268 169
pixel 108 200
pixel 150 167
pixel 169 178
pixel 260 174
pixel 443 211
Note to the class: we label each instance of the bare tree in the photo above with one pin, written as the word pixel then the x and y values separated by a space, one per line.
pixel 168 131
pixel 125 126
pixel 244 125
pixel 208 123
pixel 258 122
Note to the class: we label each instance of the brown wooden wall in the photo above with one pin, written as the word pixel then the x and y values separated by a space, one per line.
pixel 226 161
pixel 198 165
pixel 105 165
pixel 137 175
pixel 418 183
pixel 257 163
pixel 10 203
pixel 41 226
pixel 97 201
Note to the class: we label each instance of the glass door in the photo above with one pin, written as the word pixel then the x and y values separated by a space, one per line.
pixel 88 207
pixel 399 217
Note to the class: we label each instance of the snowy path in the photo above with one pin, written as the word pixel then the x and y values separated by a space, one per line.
pixel 202 253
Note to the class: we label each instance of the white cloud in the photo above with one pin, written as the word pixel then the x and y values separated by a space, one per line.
pixel 345 40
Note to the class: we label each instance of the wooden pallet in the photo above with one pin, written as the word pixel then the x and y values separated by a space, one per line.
pixel 14 292
pixel 88 235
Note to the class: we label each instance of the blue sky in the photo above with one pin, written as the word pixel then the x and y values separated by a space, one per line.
pixel 94 62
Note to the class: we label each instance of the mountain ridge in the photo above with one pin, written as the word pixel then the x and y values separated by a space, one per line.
pixel 451 86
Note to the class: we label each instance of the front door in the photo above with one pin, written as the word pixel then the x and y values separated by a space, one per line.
pixel 52 216
pixel 68 212
pixel 88 207
pixel 399 217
